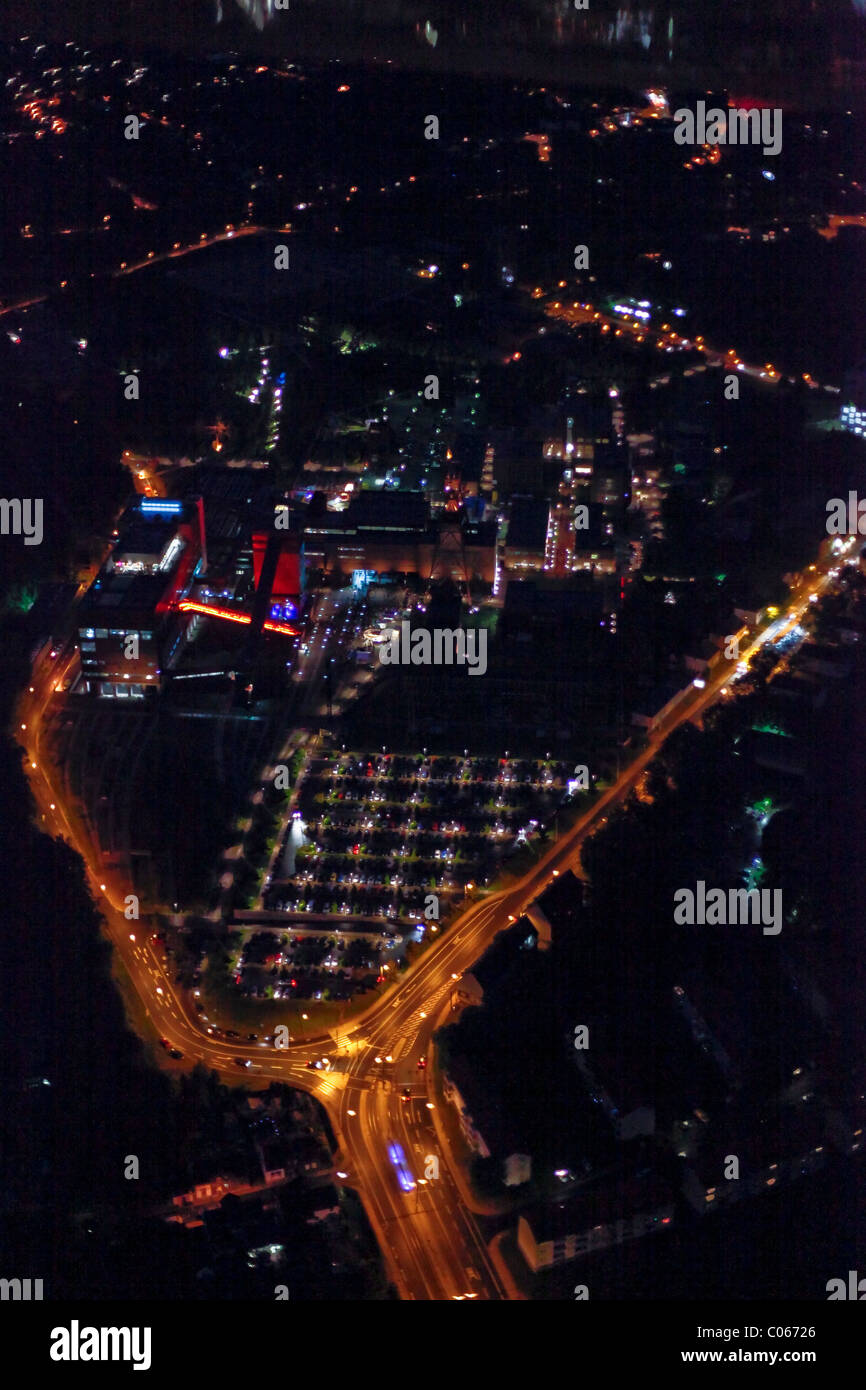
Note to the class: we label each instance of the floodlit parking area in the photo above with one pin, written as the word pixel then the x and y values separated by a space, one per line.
pixel 381 832
pixel 314 965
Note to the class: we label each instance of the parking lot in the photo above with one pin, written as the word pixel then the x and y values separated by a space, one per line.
pixel 383 832
pixel 309 965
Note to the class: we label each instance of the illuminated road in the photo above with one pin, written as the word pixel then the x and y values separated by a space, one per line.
pixel 837 220
pixel 155 258
pixel 430 1240
pixel 665 339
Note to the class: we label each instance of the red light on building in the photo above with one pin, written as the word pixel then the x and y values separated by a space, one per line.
pixel 213 610
pixel 287 580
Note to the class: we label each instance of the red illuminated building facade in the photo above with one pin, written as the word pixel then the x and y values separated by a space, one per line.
pixel 289 575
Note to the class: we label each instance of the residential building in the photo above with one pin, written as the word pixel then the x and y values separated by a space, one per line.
pixel 595 1218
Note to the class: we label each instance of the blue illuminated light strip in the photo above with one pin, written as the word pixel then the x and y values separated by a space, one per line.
pixel 171 508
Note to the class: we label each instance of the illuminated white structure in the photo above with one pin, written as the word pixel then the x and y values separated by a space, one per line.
pixel 261 12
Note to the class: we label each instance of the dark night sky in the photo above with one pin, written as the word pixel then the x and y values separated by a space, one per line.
pixel 516 37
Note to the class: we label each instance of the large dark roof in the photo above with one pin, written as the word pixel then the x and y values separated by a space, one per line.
pixel 382 511
pixel 562 902
pixel 574 598
pixel 527 528
pixel 614 1199
pixel 494 1121
pixel 479 533
pixel 119 592
pixel 505 950
pixel 145 535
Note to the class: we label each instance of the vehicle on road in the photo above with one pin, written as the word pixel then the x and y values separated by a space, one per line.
pixel 173 1052
pixel 164 1042
pixel 242 1061
pixel 398 1158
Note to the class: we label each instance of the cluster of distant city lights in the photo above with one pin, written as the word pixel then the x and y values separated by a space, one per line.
pixel 852 418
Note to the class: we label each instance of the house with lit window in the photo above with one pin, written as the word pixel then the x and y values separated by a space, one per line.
pixel 744 1156
pixel 596 1218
